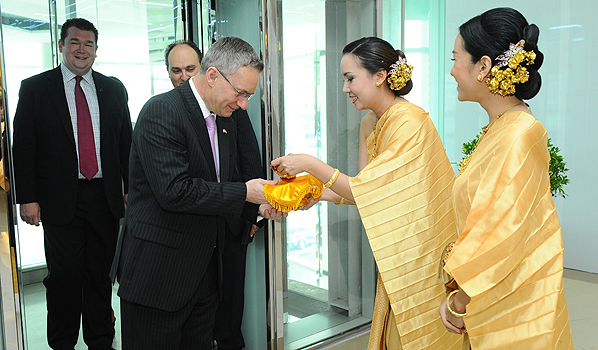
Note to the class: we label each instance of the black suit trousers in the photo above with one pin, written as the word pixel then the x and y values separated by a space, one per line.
pixel 190 328
pixel 227 330
pixel 78 256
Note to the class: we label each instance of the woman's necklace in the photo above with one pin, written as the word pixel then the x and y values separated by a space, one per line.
pixel 465 161
pixel 377 129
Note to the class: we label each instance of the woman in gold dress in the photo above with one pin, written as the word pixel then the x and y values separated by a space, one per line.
pixel 508 259
pixel 402 194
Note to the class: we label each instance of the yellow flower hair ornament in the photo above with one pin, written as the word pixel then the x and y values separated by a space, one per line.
pixel 502 80
pixel 290 192
pixel 399 74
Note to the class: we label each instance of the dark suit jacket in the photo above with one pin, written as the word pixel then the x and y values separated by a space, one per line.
pixel 249 161
pixel 176 209
pixel 45 156
pixel 249 166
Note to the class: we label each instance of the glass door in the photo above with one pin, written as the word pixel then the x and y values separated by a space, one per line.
pixel 11 332
pixel 131 42
pixel 322 268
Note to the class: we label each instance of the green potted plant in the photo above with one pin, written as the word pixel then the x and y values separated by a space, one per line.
pixel 557 168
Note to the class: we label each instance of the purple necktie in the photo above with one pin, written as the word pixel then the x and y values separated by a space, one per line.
pixel 88 161
pixel 211 123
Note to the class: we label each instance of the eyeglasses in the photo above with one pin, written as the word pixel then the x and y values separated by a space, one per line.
pixel 240 94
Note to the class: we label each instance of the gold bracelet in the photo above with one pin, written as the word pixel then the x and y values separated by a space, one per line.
pixel 448 305
pixel 341 202
pixel 332 179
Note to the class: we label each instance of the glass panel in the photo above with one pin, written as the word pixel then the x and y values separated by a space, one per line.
pixel 207 17
pixel 26 28
pixel 330 275
pixel 131 43
pixel 141 67
pixel 424 29
pixel 10 321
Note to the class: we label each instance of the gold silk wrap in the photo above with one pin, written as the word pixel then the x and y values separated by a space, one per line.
pixel 289 194
pixel 509 255
pixel 404 199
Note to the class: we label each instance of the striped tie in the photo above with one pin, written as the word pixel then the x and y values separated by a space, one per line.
pixel 211 123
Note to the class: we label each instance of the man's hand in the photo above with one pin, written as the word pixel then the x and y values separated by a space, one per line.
pixel 311 201
pixel 268 212
pixel 253 230
pixel 255 190
pixel 31 213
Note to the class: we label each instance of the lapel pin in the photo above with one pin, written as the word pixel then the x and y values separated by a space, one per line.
pixel 224 131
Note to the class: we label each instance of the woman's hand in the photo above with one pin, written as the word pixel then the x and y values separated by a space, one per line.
pixel 452 323
pixel 292 164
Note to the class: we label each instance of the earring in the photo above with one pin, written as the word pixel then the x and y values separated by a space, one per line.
pixel 480 77
pixel 377 84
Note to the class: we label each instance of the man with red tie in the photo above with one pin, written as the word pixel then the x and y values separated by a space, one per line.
pixel 72 135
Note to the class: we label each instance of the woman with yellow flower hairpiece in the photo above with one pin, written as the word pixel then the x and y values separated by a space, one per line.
pixel 505 269
pixel 402 193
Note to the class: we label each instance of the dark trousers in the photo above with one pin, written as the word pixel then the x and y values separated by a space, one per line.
pixel 79 256
pixel 190 328
pixel 227 329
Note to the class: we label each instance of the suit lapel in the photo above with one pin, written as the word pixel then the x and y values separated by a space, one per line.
pixel 223 146
pixel 56 91
pixel 198 123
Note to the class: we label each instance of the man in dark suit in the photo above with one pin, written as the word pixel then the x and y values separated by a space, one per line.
pixel 181 192
pixel 72 135
pixel 182 62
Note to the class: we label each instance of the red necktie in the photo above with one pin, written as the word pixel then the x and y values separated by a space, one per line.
pixel 88 162
pixel 211 123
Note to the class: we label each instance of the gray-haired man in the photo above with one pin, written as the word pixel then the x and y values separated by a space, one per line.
pixel 181 192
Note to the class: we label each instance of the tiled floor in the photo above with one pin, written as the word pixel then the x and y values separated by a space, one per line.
pixel 35 318
pixel 581 289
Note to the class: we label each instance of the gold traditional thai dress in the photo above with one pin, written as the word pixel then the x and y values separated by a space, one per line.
pixel 509 255
pixel 404 199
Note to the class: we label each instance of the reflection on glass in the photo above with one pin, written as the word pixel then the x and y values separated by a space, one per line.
pixel 28 31
pixel 208 33
pixel 11 332
pixel 304 112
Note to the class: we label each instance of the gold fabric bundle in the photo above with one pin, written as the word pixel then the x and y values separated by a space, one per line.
pixel 289 194
pixel 509 255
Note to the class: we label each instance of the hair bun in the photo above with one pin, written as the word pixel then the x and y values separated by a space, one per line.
pixel 530 34
pixel 531 87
